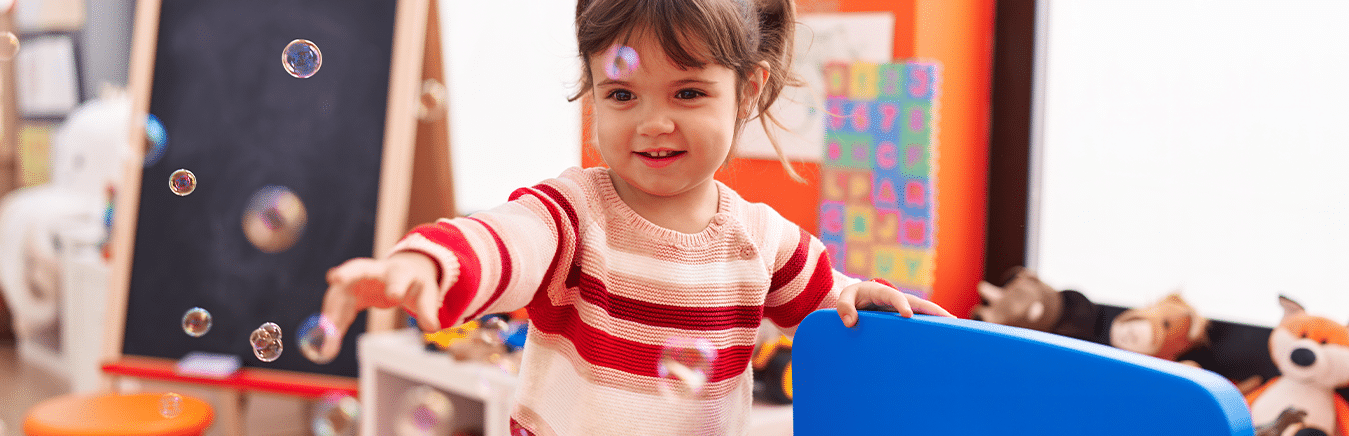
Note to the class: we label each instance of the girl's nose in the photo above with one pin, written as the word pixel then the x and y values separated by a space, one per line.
pixel 655 122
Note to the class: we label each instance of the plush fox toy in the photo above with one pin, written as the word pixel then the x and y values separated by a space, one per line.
pixel 1312 354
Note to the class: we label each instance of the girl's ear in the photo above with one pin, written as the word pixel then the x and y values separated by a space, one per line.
pixel 755 86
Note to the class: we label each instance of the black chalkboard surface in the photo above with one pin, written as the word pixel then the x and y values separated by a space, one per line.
pixel 237 120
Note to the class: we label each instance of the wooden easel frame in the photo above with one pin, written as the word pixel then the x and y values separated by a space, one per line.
pixel 415 163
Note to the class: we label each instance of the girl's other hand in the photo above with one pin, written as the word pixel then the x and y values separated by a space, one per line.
pixel 870 293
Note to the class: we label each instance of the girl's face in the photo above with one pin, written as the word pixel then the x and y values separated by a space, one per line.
pixel 663 130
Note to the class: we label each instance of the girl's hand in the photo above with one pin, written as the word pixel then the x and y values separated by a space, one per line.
pixel 870 293
pixel 405 279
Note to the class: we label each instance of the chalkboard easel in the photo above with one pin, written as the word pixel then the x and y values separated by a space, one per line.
pixel 356 154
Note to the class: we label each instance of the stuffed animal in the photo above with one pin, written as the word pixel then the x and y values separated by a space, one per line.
pixel 1027 302
pixel 1290 418
pixel 1312 354
pixel 1167 329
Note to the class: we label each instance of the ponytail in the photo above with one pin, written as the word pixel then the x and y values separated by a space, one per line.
pixel 776 39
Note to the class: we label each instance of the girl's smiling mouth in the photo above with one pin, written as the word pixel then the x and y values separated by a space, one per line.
pixel 659 158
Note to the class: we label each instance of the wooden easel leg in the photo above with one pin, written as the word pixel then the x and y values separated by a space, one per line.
pixel 233 405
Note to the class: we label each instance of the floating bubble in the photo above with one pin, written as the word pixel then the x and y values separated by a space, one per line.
pixel 425 411
pixel 274 219
pixel 318 338
pixel 156 139
pixel 620 62
pixel 685 365
pixel 301 58
pixel 183 182
pixel 196 322
pixel 337 415
pixel 170 405
pixel 266 341
pixel 9 46
pixel 431 106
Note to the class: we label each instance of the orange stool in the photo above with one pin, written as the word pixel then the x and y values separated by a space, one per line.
pixel 113 414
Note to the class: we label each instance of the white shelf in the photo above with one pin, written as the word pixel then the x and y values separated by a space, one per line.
pixel 483 395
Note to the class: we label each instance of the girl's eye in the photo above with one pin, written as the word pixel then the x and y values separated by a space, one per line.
pixel 689 94
pixel 620 95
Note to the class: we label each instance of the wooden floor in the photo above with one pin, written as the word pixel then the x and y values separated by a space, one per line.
pixel 23 385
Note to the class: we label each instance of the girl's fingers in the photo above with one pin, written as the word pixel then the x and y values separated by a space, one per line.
pixel 847 306
pixel 928 307
pixel 426 307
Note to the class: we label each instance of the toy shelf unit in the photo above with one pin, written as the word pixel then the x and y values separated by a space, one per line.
pixel 394 362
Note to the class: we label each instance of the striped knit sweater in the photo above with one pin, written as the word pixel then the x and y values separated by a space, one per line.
pixel 606 289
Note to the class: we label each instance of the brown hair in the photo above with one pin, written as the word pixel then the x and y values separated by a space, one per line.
pixel 736 34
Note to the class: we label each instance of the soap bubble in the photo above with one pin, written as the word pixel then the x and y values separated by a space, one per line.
pixel 301 58
pixel 431 106
pixel 182 182
pixel 9 46
pixel 425 411
pixel 196 322
pixel 318 338
pixel 274 219
pixel 620 62
pixel 337 415
pixel 266 341
pixel 685 365
pixel 156 139
pixel 170 405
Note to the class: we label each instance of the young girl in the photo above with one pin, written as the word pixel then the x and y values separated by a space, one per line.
pixel 615 263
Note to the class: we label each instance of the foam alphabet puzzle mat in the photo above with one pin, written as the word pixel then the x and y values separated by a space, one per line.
pixel 877 209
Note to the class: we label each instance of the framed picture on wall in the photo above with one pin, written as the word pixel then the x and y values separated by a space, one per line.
pixel 47 76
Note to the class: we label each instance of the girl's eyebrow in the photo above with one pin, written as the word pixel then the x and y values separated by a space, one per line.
pixel 680 82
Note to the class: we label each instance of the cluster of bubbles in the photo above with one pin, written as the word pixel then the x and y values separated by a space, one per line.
pixel 196 322
pixel 9 46
pixel 274 219
pixel 685 365
pixel 170 405
pixel 301 58
pixel 425 412
pixel 620 61
pixel 318 338
pixel 266 342
pixel 336 415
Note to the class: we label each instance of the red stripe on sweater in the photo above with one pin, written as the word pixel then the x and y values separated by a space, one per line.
pixel 504 280
pixel 557 224
pixel 599 348
pixel 470 270
pixel 594 291
pixel 794 264
pixel 821 282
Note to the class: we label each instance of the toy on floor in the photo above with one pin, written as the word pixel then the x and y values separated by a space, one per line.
pixel 1312 354
pixel 494 339
pixel 1027 302
pixel 772 366
pixel 1166 329
pixel 1288 418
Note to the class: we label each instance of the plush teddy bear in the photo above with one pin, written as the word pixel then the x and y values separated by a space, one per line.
pixel 1166 329
pixel 1312 354
pixel 1027 302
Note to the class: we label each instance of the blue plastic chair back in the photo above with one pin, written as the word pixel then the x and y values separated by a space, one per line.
pixel 928 375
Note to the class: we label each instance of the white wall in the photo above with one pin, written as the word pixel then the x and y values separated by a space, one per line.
pixel 1198 145
pixel 510 67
